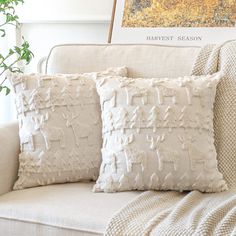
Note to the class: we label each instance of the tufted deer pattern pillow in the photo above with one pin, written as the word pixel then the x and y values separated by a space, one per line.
pixel 158 134
pixel 60 127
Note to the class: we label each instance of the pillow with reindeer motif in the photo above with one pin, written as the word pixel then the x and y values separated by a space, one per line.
pixel 59 127
pixel 158 134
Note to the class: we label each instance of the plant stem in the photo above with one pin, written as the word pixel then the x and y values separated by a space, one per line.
pixel 6 70
pixel 4 59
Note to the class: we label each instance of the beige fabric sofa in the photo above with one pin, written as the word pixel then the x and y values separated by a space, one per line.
pixel 73 209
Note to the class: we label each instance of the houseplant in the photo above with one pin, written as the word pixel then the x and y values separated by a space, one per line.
pixel 22 53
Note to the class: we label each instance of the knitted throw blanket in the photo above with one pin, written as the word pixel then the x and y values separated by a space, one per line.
pixel 199 214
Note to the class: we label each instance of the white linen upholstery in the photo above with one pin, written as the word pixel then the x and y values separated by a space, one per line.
pixel 9 152
pixel 62 210
pixel 142 60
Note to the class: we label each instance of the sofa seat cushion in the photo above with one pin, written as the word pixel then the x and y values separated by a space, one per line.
pixel 65 209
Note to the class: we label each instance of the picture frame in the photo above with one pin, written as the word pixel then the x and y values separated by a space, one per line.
pixel 215 26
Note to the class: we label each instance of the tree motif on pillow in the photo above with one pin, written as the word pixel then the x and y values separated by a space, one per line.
pixel 60 127
pixel 158 134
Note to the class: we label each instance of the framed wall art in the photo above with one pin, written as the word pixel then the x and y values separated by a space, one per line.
pixel 173 22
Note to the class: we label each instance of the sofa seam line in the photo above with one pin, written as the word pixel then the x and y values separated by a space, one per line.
pixel 45 224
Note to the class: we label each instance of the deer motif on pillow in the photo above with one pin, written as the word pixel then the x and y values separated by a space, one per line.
pixel 60 127
pixel 160 135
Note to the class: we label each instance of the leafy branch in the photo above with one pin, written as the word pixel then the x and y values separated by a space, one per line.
pixel 16 54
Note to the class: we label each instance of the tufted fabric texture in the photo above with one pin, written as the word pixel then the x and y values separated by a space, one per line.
pixel 158 134
pixel 172 213
pixel 59 127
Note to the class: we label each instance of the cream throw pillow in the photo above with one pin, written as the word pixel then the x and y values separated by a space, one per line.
pixel 60 127
pixel 158 134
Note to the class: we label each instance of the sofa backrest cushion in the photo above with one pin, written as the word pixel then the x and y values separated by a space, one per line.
pixel 142 60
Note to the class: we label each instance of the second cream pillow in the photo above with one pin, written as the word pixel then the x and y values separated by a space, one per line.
pixel 158 134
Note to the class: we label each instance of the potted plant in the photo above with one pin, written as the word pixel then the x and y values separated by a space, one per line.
pixel 22 53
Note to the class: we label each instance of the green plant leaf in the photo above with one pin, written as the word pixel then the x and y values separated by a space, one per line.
pixel 3 33
pixel 17 50
pixel 7 89
pixel 19 53
pixel 11 52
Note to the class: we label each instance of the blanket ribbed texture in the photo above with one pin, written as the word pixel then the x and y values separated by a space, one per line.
pixel 198 214
pixel 210 60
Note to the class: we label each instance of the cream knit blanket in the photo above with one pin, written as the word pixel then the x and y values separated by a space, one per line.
pixel 182 214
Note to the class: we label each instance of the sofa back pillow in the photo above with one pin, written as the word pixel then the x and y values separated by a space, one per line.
pixel 158 134
pixel 59 127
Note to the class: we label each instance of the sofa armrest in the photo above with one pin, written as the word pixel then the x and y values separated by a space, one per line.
pixel 9 155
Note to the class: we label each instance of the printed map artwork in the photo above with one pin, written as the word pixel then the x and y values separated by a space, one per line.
pixel 179 13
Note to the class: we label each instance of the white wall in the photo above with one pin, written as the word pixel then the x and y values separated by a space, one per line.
pixel 62 9
pixel 46 23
